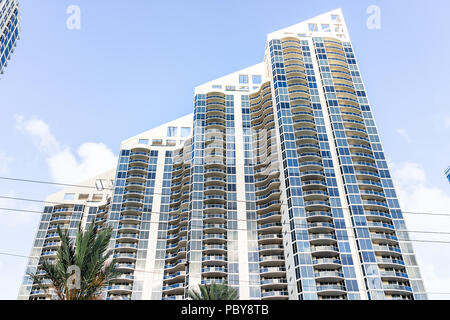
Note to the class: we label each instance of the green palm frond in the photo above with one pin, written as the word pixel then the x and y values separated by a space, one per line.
pixel 90 253
pixel 214 292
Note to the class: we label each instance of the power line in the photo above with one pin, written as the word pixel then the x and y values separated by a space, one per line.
pixel 282 223
pixel 161 194
pixel 52 183
pixel 95 206
pixel 162 272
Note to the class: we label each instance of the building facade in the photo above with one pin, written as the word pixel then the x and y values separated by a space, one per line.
pixel 447 173
pixel 9 30
pixel 276 185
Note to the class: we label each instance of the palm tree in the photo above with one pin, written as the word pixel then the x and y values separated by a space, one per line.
pixel 90 255
pixel 214 292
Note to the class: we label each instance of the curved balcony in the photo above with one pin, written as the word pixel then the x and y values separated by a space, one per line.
pixel 131 210
pixel 213 281
pixel 175 266
pixel 329 276
pixel 136 178
pixel 124 257
pixel 127 236
pixel 390 263
pixel 317 205
pixel 270 238
pixel 124 277
pixel 375 205
pixel 380 226
pixel 215 218
pixel 314 185
pixel 273 283
pixel 135 184
pixel 174 277
pixel 318 239
pixel 272 272
pixel 314 216
pixel 215 181
pixel 124 247
pixel 52 244
pixel 325 263
pixel 384 238
pixel 331 289
pixel 177 288
pixel 275 295
pixel 139 155
pixel 137 170
pixel 134 193
pixel 270 228
pixel 214 228
pixel 215 190
pixel 387 250
pixel 271 260
pixel 315 195
pixel 59 219
pixel 125 267
pixel 214 238
pixel 214 260
pixel 214 208
pixel 271 249
pixel 130 218
pixel 269 217
pixel 269 207
pixel 215 271
pixel 321 251
pixel 177 255
pixel 394 275
pixel 129 227
pixel 311 165
pixel 215 249
pixel 378 215
pixel 397 289
pixel 320 227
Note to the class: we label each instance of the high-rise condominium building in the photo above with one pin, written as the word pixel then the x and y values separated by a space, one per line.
pixel 276 185
pixel 9 30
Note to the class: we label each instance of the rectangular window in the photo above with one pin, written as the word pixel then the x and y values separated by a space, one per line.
pixel 171 142
pixel 185 132
pixel 97 197
pixel 143 141
pixel 69 196
pixel 172 131
pixel 256 79
pixel 312 27
pixel 243 79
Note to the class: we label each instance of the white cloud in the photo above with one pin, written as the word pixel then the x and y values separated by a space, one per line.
pixel 94 158
pixel 5 160
pixel 89 160
pixel 404 134
pixel 447 121
pixel 39 131
pixel 417 194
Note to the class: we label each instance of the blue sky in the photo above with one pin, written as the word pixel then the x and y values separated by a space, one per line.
pixel 133 65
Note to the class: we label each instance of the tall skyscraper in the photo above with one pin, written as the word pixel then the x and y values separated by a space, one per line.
pixel 447 173
pixel 9 30
pixel 281 189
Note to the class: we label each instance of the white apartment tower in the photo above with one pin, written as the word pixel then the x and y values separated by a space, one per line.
pixel 9 30
pixel 277 185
